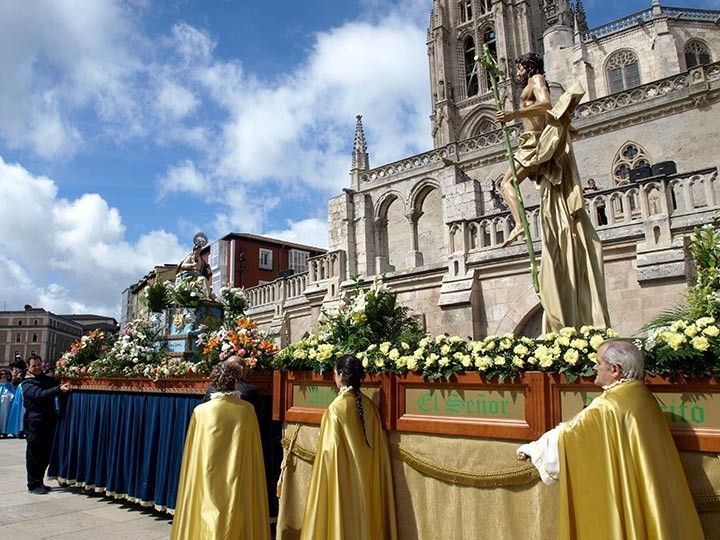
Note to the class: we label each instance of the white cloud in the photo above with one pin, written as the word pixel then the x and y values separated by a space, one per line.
pixel 183 178
pixel 175 100
pixel 68 255
pixel 311 231
pixel 61 58
pixel 295 133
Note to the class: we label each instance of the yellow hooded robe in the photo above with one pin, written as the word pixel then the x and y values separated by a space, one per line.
pixel 621 476
pixel 222 492
pixel 351 489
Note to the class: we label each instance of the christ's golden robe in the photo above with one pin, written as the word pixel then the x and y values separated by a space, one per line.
pixel 620 473
pixel 351 488
pixel 572 276
pixel 222 492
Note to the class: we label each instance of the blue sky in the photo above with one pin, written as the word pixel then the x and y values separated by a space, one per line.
pixel 128 125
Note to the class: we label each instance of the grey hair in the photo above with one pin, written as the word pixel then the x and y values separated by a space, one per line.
pixel 626 356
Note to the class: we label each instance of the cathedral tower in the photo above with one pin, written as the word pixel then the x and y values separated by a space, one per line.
pixel 462 103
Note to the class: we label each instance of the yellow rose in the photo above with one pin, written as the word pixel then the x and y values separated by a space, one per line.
pixel 611 333
pixel 385 347
pixel 700 343
pixel 691 330
pixel 579 344
pixel 711 331
pixel 505 344
pixel 394 354
pixel 564 341
pixel 412 363
pixel 571 356
pixel 545 360
pixel 444 361
pixel 518 362
pixel 499 361
pixel 520 349
pixel 705 321
pixel 466 361
pixel 444 349
pixel 596 341
pixel 568 331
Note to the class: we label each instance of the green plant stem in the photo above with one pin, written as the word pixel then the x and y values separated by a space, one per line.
pixel 489 64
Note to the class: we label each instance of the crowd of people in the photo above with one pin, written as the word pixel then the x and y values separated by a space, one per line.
pixel 12 408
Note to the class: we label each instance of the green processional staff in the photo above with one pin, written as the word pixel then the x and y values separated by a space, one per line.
pixel 490 66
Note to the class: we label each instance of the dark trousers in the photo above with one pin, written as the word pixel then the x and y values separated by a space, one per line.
pixel 40 434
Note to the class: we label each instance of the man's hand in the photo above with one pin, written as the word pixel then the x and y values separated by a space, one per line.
pixel 65 387
pixel 504 116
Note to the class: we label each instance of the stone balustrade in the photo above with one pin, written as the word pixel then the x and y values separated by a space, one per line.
pixel 329 266
pixel 646 92
pixel 652 198
pixel 647 15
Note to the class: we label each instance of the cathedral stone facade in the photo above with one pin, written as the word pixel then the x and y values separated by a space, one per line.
pixel 432 223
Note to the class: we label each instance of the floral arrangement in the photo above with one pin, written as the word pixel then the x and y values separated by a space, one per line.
pixel 691 348
pixel 570 351
pixel 157 296
pixel 188 291
pixel 365 319
pixel 241 338
pixel 84 351
pixel 134 347
pixel 234 302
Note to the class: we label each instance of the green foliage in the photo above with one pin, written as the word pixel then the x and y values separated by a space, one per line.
pixel 369 317
pixel 157 296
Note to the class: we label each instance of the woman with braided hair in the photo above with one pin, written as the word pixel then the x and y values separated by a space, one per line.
pixel 351 489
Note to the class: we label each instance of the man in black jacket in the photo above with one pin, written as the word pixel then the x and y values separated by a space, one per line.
pixel 39 393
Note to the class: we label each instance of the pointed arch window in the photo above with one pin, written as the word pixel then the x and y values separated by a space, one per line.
pixel 630 156
pixel 623 71
pixel 466 10
pixel 696 53
pixel 471 80
pixel 490 40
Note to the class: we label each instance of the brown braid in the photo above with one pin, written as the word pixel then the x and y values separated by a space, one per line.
pixel 353 372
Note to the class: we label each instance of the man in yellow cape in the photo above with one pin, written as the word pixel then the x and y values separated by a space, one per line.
pixel 222 492
pixel 619 471
pixel 351 489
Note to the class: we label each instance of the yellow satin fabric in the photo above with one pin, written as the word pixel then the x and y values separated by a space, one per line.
pixel 572 276
pixel 222 492
pixel 351 488
pixel 620 473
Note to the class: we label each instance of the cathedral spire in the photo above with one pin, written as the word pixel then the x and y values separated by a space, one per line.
pixel 360 159
pixel 580 18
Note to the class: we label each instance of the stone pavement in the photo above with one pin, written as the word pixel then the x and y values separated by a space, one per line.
pixel 67 512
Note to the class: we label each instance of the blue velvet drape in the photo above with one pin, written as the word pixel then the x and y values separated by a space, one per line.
pixel 124 444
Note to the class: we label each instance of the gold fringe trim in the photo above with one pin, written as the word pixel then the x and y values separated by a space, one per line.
pixel 709 502
pixel 518 476
pixel 508 478
pixel 299 450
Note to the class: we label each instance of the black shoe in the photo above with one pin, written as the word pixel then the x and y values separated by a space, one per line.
pixel 38 491
pixel 49 488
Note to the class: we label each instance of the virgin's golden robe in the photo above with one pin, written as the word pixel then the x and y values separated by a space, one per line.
pixel 222 492
pixel 620 473
pixel 351 489
pixel 572 277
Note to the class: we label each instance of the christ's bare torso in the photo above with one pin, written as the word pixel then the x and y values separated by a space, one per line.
pixel 529 97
